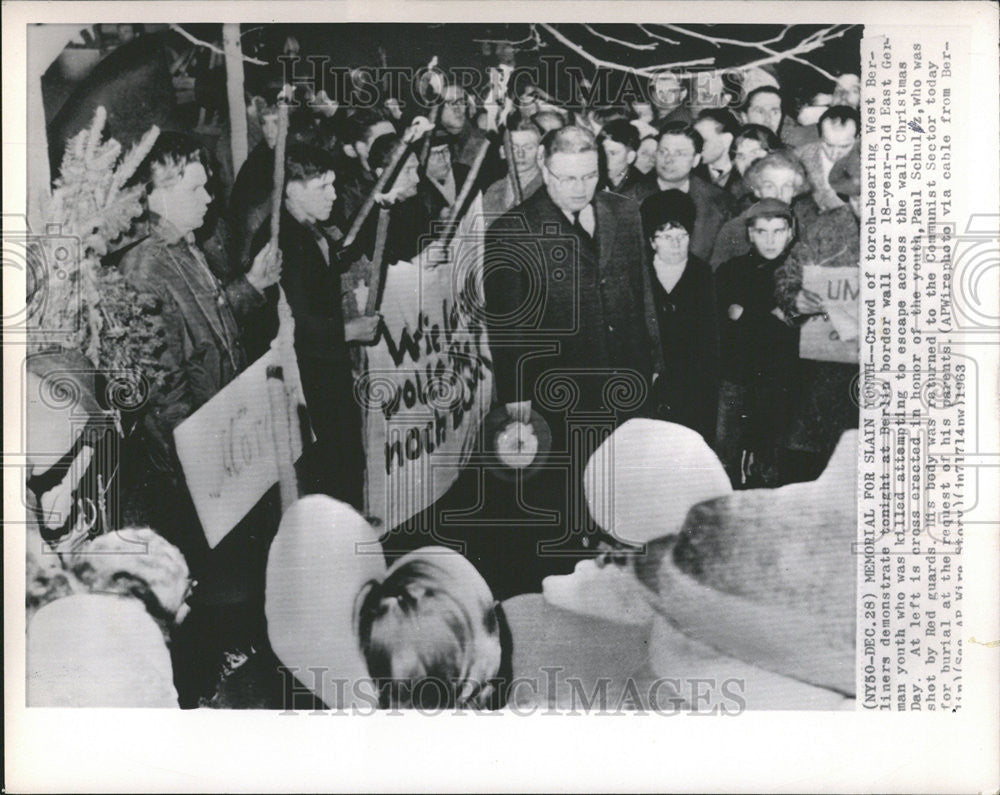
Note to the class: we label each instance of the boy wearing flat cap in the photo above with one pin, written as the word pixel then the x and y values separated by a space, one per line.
pixel 759 350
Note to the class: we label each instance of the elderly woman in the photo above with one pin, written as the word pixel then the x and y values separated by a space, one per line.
pixel 106 643
pixel 752 142
pixel 778 175
pixel 686 392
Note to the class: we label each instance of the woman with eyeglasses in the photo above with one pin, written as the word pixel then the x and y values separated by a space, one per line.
pixel 686 392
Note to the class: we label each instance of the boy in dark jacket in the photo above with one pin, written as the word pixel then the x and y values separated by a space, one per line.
pixel 759 350
pixel 311 282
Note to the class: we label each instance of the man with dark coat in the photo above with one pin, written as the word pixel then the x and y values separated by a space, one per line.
pixel 678 152
pixel 442 180
pixel 203 348
pixel 525 139
pixel 566 296
pixel 409 223
pixel 249 199
pixel 465 139
pixel 356 174
pixel 839 128
pixel 620 141
pixel 718 129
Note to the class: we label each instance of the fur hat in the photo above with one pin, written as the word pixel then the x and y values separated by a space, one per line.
pixel 669 206
pixel 768 575
pixel 139 552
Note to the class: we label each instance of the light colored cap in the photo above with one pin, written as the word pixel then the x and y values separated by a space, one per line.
pixel 322 556
pixel 642 480
pixel 96 650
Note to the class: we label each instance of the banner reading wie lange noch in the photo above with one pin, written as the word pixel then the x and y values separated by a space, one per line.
pixel 429 378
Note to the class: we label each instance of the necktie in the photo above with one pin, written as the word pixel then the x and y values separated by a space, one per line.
pixel 580 228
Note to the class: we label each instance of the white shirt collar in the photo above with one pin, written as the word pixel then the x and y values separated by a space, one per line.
pixel 683 188
pixel 587 219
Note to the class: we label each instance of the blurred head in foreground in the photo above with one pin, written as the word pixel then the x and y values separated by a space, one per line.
pixel 137 562
pixel 430 632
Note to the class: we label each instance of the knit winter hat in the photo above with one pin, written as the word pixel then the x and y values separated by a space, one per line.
pixel 140 552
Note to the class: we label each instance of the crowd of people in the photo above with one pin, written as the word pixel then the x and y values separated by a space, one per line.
pixel 682 300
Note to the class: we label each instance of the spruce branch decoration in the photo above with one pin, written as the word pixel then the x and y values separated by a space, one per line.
pixel 76 303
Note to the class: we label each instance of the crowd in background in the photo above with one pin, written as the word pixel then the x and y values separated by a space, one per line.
pixel 725 159
pixel 717 209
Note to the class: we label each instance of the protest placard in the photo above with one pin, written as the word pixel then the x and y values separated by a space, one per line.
pixel 228 452
pixel 429 380
pixel 833 336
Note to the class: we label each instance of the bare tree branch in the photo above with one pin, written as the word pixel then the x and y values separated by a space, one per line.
pixel 525 40
pixel 613 40
pixel 212 47
pixel 779 37
pixel 652 35
pixel 812 42
pixel 645 71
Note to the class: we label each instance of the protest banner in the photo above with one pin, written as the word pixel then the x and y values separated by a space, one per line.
pixel 832 337
pixel 428 382
pixel 227 449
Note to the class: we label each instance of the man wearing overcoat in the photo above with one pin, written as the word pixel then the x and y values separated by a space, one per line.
pixel 566 296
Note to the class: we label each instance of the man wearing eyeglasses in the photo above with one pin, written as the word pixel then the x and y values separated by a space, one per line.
pixel 442 180
pixel 525 140
pixel 678 153
pixel 463 136
pixel 566 292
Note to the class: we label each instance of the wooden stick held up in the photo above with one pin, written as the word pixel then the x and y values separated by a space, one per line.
pixel 515 181
pixel 418 127
pixel 378 263
pixel 281 426
pixel 425 150
pixel 470 180
pixel 278 188
pixel 281 432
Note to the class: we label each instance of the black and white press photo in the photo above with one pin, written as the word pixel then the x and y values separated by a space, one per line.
pixel 485 369
pixel 444 366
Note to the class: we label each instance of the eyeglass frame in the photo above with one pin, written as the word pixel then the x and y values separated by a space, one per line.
pixel 564 182
pixel 672 234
